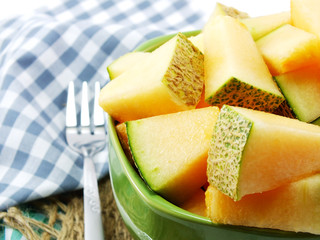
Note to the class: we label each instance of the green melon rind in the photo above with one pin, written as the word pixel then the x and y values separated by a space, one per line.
pixel 230 136
pixel 238 93
pixel 185 74
pixel 134 155
pixel 292 101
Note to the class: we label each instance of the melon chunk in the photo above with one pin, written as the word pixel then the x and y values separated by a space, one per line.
pixel 289 48
pixel 171 150
pixel 129 59
pixel 219 10
pixel 124 63
pixel 260 26
pixel 292 207
pixel 169 80
pixel 301 88
pixel 196 204
pixel 254 151
pixel 223 10
pixel 197 41
pixel 235 72
pixel 305 15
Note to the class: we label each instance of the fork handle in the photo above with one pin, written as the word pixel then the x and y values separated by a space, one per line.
pixel 93 228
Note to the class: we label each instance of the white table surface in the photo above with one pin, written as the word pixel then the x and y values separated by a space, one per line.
pixel 20 7
pixel 252 7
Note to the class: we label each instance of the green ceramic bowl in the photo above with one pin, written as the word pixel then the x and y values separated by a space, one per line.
pixel 149 216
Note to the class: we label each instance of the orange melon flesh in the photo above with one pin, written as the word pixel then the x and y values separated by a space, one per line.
pixel 157 85
pixel 305 15
pixel 288 48
pixel 229 51
pixel 196 204
pixel 291 207
pixel 302 90
pixel 254 151
pixel 260 26
pixel 171 150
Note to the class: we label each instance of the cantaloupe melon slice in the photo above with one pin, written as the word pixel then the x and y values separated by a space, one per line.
pixel 292 207
pixel 289 48
pixel 254 151
pixel 305 15
pixel 223 10
pixel 125 62
pixel 171 151
pixel 196 204
pixel 219 10
pixel 301 88
pixel 235 72
pixel 260 26
pixel 129 59
pixel 169 80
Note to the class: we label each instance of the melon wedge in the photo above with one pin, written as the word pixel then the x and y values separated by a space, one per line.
pixel 223 10
pixel 260 26
pixel 254 151
pixel 171 151
pixel 197 41
pixel 129 59
pixel 125 62
pixel 292 207
pixel 219 10
pixel 158 84
pixel 289 48
pixel 305 15
pixel 196 204
pixel 301 88
pixel 235 72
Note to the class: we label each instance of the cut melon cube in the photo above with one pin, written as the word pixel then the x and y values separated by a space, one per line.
pixel 196 204
pixel 254 151
pixel 292 207
pixel 158 84
pixel 301 88
pixel 260 26
pixel 305 15
pixel 235 72
pixel 171 151
pixel 124 63
pixel 288 48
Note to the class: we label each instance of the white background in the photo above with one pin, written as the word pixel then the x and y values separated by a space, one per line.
pixel 252 7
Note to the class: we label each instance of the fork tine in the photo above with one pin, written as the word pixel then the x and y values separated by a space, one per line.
pixel 84 118
pixel 98 116
pixel 71 115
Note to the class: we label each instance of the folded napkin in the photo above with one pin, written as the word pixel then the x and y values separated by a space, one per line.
pixel 39 55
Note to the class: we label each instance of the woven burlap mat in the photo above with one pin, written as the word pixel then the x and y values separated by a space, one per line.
pixel 66 212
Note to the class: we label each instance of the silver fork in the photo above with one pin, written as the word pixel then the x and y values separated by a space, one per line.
pixel 87 141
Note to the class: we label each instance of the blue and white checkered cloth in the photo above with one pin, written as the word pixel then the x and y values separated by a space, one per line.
pixel 39 55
